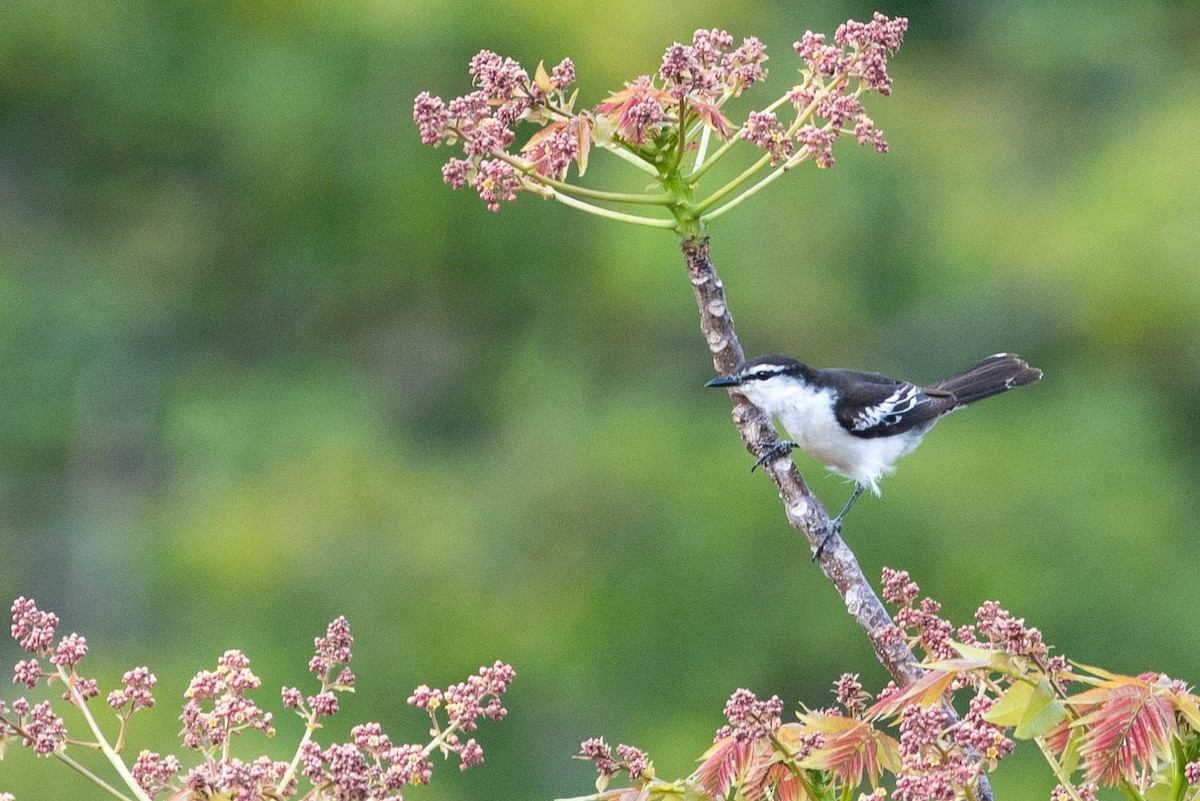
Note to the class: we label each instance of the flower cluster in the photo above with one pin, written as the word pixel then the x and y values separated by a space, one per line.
pixel 707 71
pixel 630 759
pixel 135 693
pixel 369 767
pixel 32 628
pixel 836 76
pixel 850 695
pixel 482 122
pixel 331 664
pixel 154 772
pixel 749 718
pixel 658 122
pixel 233 778
pixel 231 712
pixel 1141 732
pixel 1084 792
pixel 464 704
pixel 38 727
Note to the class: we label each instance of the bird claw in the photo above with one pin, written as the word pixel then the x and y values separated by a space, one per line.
pixel 780 449
pixel 831 529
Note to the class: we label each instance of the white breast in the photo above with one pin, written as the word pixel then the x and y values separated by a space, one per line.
pixel 807 416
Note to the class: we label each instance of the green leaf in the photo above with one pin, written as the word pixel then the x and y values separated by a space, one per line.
pixel 1070 757
pixel 1044 712
pixel 1032 710
pixel 1159 792
pixel 1010 708
pixel 1179 760
pixel 542 78
pixel 1187 707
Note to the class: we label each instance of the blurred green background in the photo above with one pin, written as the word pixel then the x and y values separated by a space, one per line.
pixel 260 367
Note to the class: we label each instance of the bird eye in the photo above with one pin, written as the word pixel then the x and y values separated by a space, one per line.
pixel 762 375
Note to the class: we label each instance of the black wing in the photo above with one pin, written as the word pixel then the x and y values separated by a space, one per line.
pixel 872 405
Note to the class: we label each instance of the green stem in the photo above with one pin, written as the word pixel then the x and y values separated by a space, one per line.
pixel 92 777
pixel 611 197
pixel 633 159
pixel 310 725
pixel 705 136
pixel 599 211
pixel 1131 792
pixel 758 187
pixel 702 168
pixel 734 184
pixel 594 194
pixel 112 756
pixel 1059 774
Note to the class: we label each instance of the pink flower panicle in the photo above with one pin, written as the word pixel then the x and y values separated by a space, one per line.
pixel 563 75
pixel 369 767
pixel 751 719
pixel 231 711
pixel 928 772
pixel 633 760
pixel 232 778
pixel 555 148
pixel 860 55
pixel 482 122
pixel 292 698
pixel 27 673
pixel 898 588
pixel 764 130
pixel 33 629
pixel 920 623
pixel 44 730
pixel 324 703
pixel 1004 631
pixel 154 772
pixel 496 180
pixel 873 42
pixel 69 651
pixel 707 71
pixel 630 759
pixel 850 695
pixel 975 732
pixel 464 703
pixel 136 694
pixel 431 117
pixel 595 750
pixel 1191 772
pixel 819 142
pixel 333 649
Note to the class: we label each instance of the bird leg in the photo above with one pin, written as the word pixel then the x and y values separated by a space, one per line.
pixel 780 449
pixel 835 525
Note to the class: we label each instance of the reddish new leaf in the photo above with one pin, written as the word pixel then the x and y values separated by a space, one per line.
pixel 1128 726
pixel 852 748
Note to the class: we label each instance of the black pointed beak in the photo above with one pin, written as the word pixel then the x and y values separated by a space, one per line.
pixel 725 381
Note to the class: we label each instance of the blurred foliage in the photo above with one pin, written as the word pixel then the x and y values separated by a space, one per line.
pixel 262 368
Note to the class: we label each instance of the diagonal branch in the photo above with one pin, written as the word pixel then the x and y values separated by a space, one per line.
pixel 804 511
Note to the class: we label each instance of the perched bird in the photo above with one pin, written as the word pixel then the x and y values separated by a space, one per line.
pixel 857 423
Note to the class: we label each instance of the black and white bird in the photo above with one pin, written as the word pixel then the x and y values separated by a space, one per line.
pixel 858 424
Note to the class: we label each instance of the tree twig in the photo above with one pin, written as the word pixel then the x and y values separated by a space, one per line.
pixel 804 511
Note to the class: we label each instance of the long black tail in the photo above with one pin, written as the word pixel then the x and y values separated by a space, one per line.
pixel 993 375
